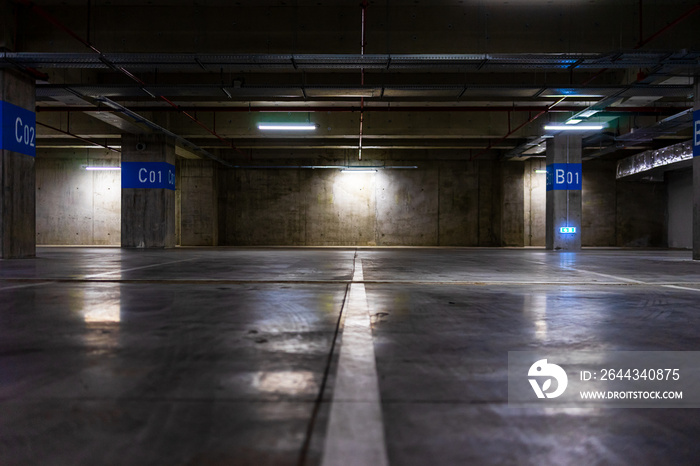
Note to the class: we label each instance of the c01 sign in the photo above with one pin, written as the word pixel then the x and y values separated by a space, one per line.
pixel 149 175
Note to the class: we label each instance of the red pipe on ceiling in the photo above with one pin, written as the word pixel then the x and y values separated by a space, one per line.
pixel 68 133
pixel 46 15
pixel 362 75
pixel 641 44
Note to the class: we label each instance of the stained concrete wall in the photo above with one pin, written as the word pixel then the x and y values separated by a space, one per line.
pixel 599 220
pixel 197 222
pixel 679 188
pixel 512 200
pixel 534 202
pixel 446 203
pixel 641 214
pixel 623 213
pixel 75 206
pixel 442 203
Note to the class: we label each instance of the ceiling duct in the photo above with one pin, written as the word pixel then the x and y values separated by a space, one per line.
pixel 653 159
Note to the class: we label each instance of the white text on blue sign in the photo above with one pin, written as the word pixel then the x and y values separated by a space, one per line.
pixel 149 175
pixel 18 129
pixel 564 177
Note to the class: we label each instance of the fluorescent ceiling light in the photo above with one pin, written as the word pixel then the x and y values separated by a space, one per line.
pixel 573 121
pixel 540 171
pixel 587 113
pixel 285 127
pixel 583 96
pixel 573 127
pixel 358 170
pixel 102 168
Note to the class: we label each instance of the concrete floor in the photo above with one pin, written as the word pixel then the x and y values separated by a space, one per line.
pixel 230 356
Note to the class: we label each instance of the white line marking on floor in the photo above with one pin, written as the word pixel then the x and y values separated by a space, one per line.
pixel 627 280
pixel 614 277
pixel 355 434
pixel 138 268
pixel 676 287
pixel 24 286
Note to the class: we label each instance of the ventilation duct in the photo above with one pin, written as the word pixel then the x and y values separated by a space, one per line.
pixel 652 159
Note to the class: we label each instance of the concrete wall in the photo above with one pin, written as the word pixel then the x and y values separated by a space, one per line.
pixel 641 214
pixel 534 202
pixel 198 215
pixel 679 188
pixel 443 203
pixel 446 203
pixel 75 206
pixel 621 213
pixel 599 204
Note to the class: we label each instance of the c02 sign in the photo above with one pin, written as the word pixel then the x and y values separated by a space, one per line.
pixel 18 129
pixel 149 175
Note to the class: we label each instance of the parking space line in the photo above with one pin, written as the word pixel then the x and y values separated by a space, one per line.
pixel 355 434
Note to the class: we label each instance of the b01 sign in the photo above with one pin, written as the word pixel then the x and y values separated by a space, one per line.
pixel 18 129
pixel 564 176
pixel 150 175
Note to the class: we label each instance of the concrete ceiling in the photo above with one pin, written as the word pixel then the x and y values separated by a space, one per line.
pixel 461 79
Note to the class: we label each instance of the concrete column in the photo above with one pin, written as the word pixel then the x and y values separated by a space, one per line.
pixel 148 191
pixel 564 177
pixel 696 171
pixel 17 173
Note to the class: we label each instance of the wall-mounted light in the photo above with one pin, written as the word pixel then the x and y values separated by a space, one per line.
pixel 573 127
pixel 102 168
pixel 541 172
pixel 285 127
pixel 358 170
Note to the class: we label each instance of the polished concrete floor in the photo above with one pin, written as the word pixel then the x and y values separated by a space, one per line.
pixel 232 356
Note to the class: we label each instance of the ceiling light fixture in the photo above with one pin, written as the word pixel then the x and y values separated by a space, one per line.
pixel 573 121
pixel 587 113
pixel 358 170
pixel 285 127
pixel 573 127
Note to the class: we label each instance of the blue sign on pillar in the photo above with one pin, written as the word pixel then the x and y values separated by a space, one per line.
pixel 564 177
pixel 150 175
pixel 696 133
pixel 18 129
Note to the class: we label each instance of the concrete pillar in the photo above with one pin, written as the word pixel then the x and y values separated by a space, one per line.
pixel 148 191
pixel 696 171
pixel 564 177
pixel 17 173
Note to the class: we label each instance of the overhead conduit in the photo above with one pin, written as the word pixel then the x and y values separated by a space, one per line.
pixel 362 75
pixel 46 15
pixel 639 45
